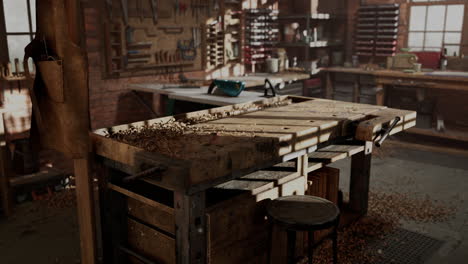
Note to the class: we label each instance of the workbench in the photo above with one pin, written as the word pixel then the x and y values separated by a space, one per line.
pixel 164 196
pixel 433 80
pixel 383 79
pixel 172 92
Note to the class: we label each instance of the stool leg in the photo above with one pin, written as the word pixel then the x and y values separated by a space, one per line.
pixel 291 246
pixel 310 244
pixel 270 241
pixel 335 245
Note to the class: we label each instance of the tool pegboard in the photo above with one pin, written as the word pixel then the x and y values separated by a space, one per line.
pixel 144 37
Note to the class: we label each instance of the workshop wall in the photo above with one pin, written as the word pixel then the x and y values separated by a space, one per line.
pixel 136 49
pixel 111 102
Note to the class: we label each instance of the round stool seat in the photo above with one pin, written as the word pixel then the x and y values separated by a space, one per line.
pixel 303 212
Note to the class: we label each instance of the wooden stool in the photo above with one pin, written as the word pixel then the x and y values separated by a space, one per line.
pixel 304 213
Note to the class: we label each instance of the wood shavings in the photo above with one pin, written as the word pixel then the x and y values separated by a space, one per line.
pixel 385 212
pixel 169 138
pixel 62 200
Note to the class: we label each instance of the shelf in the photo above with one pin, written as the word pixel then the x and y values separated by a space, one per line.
pixel 318 44
pixel 314 16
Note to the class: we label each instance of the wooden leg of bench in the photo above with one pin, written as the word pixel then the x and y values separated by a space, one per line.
pixel 191 230
pixel 5 174
pixel 360 177
pixel 85 205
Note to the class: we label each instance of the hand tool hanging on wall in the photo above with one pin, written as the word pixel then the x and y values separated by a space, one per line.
pixel 187 49
pixel 172 29
pixel 124 6
pixel 154 10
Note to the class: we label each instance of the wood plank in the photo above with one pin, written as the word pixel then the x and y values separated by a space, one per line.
pixel 191 228
pixel 277 177
pixel 5 174
pixel 254 187
pixel 151 243
pixel 312 166
pixel 367 130
pixel 241 142
pixel 147 210
pixel 349 149
pixel 327 157
pixel 360 179
pixel 85 204
pixel 234 221
pixel 42 176
pixel 294 187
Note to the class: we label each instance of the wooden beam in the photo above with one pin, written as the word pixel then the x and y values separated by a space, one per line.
pixel 5 175
pixel 191 228
pixel 360 177
pixel 85 205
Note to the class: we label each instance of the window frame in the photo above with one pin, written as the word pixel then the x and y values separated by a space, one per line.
pixel 463 39
pixel 5 56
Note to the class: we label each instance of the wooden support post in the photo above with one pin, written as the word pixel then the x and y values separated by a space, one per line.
pixel 191 230
pixel 360 176
pixel 357 90
pixel 85 205
pixel 380 95
pixel 302 164
pixel 329 88
pixel 5 175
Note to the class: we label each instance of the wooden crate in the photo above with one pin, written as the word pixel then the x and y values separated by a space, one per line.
pixel 237 225
pixel 323 183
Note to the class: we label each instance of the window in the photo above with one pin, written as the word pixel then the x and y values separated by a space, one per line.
pixel 435 26
pixel 20 25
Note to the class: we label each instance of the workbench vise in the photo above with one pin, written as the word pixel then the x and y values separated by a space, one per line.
pixel 227 87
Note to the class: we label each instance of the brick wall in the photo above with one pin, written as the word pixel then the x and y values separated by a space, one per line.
pixel 110 101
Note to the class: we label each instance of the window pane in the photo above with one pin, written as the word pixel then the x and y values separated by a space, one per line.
pixel 454 17
pixel 415 39
pixel 16 15
pixel 452 38
pixel 437 49
pixel 435 18
pixel 433 40
pixel 417 18
pixel 16 45
pixel 33 14
pixel 453 50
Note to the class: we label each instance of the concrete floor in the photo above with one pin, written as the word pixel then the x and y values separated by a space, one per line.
pixel 441 177
pixel 40 235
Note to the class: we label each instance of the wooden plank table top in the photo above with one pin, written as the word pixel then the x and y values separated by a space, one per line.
pixel 224 148
pixel 258 79
pixel 438 79
pixel 197 95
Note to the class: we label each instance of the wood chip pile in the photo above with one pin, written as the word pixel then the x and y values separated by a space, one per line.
pixel 386 210
pixel 165 138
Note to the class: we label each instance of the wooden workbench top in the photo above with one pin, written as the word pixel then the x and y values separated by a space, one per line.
pixel 433 76
pixel 206 147
pixel 196 94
